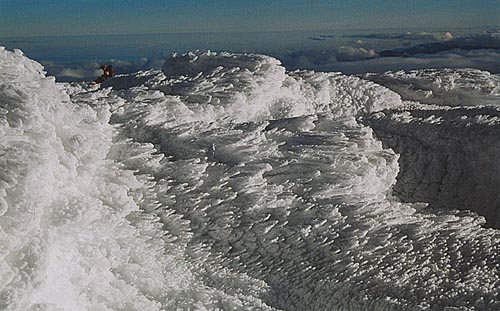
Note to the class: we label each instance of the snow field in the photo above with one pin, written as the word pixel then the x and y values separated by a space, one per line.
pixel 225 182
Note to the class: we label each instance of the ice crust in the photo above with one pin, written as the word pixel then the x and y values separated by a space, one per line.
pixel 224 182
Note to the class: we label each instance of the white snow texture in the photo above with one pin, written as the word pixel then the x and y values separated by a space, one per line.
pixel 224 182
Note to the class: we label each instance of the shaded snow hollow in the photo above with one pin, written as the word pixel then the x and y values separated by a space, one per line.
pixel 224 182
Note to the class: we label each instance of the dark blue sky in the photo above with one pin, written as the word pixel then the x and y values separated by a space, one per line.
pixel 65 17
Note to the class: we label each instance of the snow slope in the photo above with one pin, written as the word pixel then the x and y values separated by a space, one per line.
pixel 225 182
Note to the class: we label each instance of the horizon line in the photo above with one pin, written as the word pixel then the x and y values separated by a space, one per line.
pixel 487 27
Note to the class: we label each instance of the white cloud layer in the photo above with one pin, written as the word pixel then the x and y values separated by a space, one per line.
pixel 439 36
pixel 484 40
pixel 438 50
pixel 488 60
pixel 89 70
pixel 481 51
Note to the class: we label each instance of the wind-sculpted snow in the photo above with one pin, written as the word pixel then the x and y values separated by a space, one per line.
pixel 255 88
pixel 449 156
pixel 448 87
pixel 227 88
pixel 222 183
pixel 73 229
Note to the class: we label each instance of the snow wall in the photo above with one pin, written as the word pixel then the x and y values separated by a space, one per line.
pixel 224 182
pixel 449 156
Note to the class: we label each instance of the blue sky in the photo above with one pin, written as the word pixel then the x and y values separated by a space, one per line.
pixel 66 17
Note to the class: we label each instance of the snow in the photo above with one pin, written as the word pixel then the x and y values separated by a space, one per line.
pixel 448 155
pixel 224 182
pixel 449 87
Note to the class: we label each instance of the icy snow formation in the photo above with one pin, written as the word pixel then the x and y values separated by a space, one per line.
pixel 225 182
pixel 451 87
pixel 449 156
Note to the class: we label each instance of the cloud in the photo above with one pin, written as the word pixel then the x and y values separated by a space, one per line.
pixel 488 60
pixel 351 53
pixel 89 70
pixel 481 51
pixel 317 38
pixel 73 71
pixel 322 37
pixel 311 59
pixel 484 40
pixel 438 36
pixel 77 73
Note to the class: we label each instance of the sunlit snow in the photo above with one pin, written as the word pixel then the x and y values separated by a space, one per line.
pixel 225 182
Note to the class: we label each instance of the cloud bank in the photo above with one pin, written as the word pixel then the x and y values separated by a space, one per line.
pixel 89 70
pixel 488 60
pixel 438 36
pixel 481 51
pixel 485 40
pixel 364 53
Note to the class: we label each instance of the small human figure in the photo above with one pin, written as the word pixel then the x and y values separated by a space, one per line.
pixel 108 72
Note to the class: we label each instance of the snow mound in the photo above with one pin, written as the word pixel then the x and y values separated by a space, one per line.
pixel 225 88
pixel 249 87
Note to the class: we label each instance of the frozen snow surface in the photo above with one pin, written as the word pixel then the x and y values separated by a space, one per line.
pixel 452 87
pixel 224 182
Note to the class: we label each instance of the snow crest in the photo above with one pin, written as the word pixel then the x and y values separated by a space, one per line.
pixel 222 182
